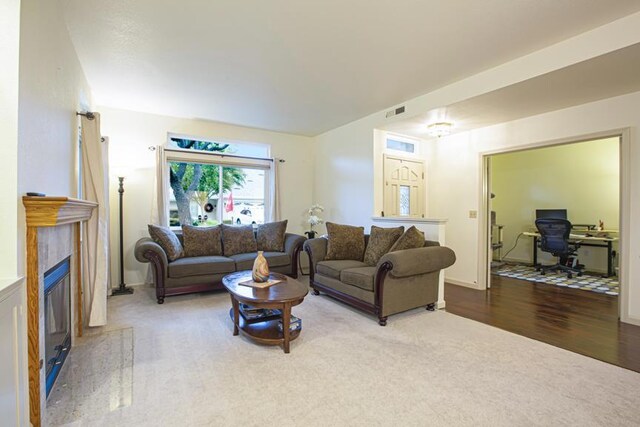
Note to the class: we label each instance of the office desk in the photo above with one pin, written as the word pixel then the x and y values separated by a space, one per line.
pixel 591 241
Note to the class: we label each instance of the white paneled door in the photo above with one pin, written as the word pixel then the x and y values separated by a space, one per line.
pixel 403 187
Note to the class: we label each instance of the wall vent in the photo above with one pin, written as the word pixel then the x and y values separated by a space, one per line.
pixel 394 112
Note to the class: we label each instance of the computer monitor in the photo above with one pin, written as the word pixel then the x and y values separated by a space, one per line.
pixel 551 213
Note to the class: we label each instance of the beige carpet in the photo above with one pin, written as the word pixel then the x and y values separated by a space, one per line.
pixel 422 369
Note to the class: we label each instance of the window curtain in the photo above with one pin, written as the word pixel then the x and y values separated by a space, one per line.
pixel 160 202
pixel 160 198
pixel 274 191
pixel 95 251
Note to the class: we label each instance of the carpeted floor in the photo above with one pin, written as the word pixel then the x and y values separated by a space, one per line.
pixel 586 282
pixel 423 368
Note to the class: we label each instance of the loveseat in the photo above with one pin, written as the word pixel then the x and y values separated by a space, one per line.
pixel 188 274
pixel 399 281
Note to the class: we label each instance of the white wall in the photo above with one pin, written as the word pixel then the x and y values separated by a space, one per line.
pixel 582 178
pixel 456 190
pixel 9 52
pixel 131 133
pixel 52 89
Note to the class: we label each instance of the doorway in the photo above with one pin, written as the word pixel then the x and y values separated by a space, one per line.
pixel 583 177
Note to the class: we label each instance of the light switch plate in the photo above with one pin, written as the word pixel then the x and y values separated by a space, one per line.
pixel 473 214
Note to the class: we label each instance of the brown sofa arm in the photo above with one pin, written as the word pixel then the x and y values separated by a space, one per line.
pixel 293 246
pixel 317 250
pixel 411 262
pixel 147 250
pixel 293 242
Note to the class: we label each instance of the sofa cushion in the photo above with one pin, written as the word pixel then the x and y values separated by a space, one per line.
pixel 362 277
pixel 411 239
pixel 167 240
pixel 274 259
pixel 202 241
pixel 238 239
pixel 345 242
pixel 380 241
pixel 270 236
pixel 201 265
pixel 333 268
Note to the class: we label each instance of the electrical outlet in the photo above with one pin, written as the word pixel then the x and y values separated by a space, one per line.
pixel 473 214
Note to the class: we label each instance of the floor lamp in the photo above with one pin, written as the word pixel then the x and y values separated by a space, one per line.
pixel 122 288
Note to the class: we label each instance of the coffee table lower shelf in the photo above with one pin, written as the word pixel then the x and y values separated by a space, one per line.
pixel 265 331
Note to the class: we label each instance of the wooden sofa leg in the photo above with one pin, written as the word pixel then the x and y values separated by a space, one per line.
pixel 382 321
pixel 431 307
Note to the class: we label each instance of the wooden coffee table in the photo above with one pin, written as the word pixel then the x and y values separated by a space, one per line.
pixel 281 296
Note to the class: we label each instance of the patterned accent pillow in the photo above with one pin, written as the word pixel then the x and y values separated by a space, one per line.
pixel 202 241
pixel 271 236
pixel 238 239
pixel 167 240
pixel 380 242
pixel 345 242
pixel 411 239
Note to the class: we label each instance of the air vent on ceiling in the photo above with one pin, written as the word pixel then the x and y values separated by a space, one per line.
pixel 395 112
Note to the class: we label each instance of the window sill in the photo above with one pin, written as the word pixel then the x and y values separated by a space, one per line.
pixel 409 219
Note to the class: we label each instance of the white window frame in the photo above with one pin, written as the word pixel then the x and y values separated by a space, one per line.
pixel 402 138
pixel 173 154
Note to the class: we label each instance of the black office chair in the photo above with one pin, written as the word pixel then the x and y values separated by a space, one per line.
pixel 554 238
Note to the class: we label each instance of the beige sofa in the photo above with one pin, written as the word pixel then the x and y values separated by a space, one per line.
pixel 204 273
pixel 400 281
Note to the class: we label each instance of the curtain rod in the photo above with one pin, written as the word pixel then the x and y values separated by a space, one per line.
pixel 89 115
pixel 233 156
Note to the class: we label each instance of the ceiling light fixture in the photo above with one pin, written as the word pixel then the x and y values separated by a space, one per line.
pixel 439 129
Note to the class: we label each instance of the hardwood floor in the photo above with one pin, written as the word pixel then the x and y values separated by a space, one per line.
pixel 576 320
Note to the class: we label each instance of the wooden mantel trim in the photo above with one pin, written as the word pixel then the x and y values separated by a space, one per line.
pixel 52 211
pixel 47 212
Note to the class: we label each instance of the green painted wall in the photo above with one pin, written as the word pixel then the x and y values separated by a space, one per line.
pixel 582 178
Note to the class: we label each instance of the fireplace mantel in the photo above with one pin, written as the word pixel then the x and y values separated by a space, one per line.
pixel 52 211
pixel 48 212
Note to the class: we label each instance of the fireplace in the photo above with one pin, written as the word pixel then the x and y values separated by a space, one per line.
pixel 57 320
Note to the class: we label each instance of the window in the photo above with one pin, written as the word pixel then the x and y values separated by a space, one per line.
pixel 210 183
pixel 397 144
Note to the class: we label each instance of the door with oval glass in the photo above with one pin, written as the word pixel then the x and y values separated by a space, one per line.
pixel 403 187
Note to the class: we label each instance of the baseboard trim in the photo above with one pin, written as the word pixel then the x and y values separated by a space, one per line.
pixel 461 283
pixel 132 285
pixel 632 321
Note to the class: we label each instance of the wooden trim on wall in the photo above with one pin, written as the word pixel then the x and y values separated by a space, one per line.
pixel 78 262
pixel 52 211
pixel 33 325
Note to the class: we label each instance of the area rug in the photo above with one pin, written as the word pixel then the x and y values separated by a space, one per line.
pixel 422 369
pixel 586 282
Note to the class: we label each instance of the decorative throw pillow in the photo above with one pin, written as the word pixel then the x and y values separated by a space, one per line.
pixel 380 241
pixel 202 241
pixel 271 236
pixel 411 239
pixel 238 239
pixel 345 242
pixel 167 240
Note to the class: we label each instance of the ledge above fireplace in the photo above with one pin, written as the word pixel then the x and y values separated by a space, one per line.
pixel 52 211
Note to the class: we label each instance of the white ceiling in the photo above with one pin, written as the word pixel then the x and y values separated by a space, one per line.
pixel 605 76
pixel 306 67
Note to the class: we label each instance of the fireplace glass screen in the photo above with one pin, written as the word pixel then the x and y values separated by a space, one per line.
pixel 57 319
